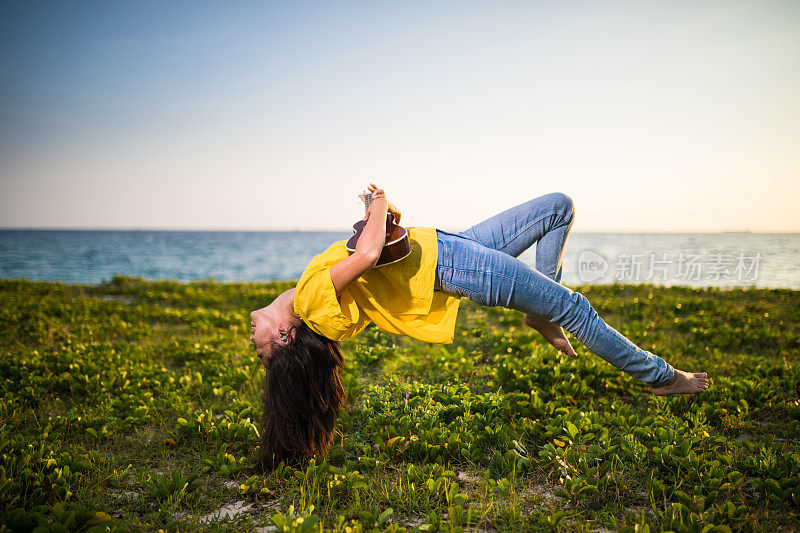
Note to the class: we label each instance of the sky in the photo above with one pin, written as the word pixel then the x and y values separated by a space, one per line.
pixel 672 116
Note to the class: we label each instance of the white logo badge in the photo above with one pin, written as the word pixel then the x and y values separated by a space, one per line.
pixel 591 266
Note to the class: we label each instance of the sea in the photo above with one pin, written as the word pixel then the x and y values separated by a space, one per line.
pixel 735 259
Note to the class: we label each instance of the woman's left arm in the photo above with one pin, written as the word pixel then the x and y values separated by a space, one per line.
pixel 369 245
pixel 373 236
pixel 350 269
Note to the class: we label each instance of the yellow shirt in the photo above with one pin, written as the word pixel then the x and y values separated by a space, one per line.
pixel 398 297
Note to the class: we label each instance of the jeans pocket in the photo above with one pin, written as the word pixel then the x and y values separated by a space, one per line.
pixel 461 291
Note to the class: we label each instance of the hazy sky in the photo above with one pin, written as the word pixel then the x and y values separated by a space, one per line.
pixel 652 116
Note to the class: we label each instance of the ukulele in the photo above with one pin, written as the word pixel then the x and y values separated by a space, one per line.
pixel 397 246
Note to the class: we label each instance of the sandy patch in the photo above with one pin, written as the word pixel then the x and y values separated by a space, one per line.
pixel 231 511
pixel 467 477
pixel 542 492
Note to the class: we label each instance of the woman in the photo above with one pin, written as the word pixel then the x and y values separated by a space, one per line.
pixel 297 336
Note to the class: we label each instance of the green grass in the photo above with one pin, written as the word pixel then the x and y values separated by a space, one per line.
pixel 135 405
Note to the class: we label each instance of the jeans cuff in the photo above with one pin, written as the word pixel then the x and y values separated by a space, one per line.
pixel 669 381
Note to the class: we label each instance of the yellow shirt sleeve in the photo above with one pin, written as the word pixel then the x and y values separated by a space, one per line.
pixel 315 302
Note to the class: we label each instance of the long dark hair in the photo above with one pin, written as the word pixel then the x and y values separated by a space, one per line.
pixel 302 396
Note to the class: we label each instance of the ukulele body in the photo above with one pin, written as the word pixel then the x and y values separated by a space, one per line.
pixel 396 248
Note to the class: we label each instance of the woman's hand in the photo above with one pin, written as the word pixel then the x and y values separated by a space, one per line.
pixel 377 194
pixel 394 211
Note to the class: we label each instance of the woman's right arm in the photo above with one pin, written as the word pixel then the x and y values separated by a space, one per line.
pixel 368 247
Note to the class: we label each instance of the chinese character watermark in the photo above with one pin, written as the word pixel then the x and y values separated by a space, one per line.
pixel 684 266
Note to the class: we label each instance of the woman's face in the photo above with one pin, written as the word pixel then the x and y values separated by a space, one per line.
pixel 264 331
pixel 269 323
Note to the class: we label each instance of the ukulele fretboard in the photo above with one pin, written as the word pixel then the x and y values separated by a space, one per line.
pixel 367 201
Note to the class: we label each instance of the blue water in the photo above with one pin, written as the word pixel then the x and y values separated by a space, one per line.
pixel 96 256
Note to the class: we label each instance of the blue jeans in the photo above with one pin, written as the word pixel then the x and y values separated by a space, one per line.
pixel 481 264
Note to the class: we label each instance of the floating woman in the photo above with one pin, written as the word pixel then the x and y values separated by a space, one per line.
pixel 297 336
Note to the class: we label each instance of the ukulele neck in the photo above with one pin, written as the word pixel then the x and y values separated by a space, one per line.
pixel 367 201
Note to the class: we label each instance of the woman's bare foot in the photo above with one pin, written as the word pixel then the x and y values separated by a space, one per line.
pixel 552 333
pixel 684 383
